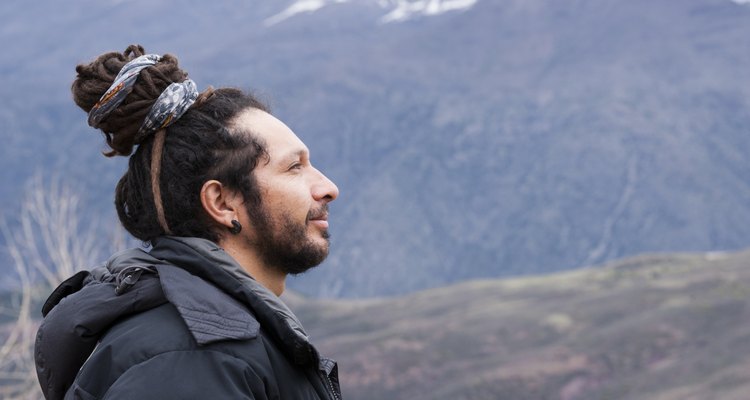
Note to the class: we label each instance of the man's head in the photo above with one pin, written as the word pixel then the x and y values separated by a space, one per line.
pixel 288 227
pixel 225 140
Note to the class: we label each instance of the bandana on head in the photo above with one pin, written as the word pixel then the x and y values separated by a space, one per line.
pixel 171 104
pixel 121 88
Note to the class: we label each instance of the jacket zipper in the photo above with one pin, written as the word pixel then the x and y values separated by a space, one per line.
pixel 330 386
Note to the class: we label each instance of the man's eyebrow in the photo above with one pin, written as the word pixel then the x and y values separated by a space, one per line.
pixel 293 155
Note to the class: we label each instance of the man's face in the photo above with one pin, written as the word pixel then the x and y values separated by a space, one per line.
pixel 290 227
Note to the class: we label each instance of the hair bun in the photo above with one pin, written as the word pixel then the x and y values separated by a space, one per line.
pixel 120 128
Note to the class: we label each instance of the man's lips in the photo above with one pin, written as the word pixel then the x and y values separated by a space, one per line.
pixel 322 223
pixel 320 218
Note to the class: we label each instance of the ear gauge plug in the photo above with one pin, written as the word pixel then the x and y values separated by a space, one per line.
pixel 236 227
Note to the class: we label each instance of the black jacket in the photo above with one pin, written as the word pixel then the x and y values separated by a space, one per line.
pixel 181 321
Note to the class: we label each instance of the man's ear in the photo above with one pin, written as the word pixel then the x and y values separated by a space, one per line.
pixel 220 203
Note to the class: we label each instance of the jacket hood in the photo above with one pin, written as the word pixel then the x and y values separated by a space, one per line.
pixel 213 295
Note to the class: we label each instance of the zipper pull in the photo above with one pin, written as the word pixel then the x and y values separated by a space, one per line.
pixel 128 277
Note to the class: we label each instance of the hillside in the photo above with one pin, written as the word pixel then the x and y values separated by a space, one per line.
pixel 651 327
pixel 503 138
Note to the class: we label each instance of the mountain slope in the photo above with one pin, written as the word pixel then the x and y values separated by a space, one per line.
pixel 512 137
pixel 651 327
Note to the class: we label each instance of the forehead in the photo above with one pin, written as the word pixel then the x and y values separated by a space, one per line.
pixel 278 138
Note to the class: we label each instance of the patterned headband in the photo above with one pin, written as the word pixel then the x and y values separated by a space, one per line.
pixel 171 104
pixel 121 88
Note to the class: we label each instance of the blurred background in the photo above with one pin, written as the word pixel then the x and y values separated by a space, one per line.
pixel 540 199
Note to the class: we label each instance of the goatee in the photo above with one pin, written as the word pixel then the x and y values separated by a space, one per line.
pixel 285 244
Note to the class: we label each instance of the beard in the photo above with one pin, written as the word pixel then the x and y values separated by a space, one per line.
pixel 284 244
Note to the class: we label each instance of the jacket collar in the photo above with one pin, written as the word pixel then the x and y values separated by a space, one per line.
pixel 207 261
pixel 209 314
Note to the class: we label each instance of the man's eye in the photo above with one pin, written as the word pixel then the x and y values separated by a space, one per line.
pixel 295 166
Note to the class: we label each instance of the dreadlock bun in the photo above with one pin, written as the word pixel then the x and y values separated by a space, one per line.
pixel 120 128
pixel 159 193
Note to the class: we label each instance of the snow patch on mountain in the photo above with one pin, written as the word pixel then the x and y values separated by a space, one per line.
pixel 405 9
pixel 396 10
pixel 299 7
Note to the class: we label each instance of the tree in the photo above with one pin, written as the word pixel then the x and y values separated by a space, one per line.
pixel 47 242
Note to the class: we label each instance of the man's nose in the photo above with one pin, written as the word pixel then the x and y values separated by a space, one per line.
pixel 324 189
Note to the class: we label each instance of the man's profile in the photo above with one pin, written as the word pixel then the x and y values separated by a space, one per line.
pixel 227 198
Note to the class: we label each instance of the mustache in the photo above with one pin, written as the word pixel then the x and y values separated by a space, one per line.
pixel 318 213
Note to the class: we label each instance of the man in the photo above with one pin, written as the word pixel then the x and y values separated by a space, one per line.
pixel 230 203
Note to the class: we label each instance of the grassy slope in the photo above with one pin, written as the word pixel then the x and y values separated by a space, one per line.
pixel 650 327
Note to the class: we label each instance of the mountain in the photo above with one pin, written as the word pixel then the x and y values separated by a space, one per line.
pixel 501 138
pixel 397 10
pixel 649 327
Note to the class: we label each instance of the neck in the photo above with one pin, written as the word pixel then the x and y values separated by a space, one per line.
pixel 273 279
